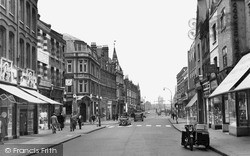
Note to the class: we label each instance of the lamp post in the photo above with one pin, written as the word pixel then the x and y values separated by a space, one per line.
pixel 99 110
pixel 170 97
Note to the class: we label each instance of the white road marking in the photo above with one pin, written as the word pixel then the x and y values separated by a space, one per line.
pixel 111 126
pixel 158 125
pixel 168 126
pixel 138 125
pixel 148 125
pixel 130 126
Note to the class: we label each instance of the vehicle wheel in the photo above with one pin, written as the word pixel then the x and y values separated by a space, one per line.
pixel 191 144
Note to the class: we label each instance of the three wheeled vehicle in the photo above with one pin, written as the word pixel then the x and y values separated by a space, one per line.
pixel 195 135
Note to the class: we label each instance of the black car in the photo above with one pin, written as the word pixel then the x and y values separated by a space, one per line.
pixel 138 116
pixel 124 121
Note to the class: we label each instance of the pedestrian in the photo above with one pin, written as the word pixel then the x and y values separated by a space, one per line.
pixel 54 123
pixel 72 123
pixel 93 119
pixel 61 120
pixel 3 127
pixel 80 121
pixel 176 118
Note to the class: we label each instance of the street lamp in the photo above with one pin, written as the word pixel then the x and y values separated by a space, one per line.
pixel 99 110
pixel 171 96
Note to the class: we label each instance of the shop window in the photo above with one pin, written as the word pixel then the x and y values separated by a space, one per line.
pixel 243 117
pixel 226 108
pixel 232 110
pixel 216 108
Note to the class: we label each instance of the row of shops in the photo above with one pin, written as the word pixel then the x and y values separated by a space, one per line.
pixel 225 105
pixel 22 107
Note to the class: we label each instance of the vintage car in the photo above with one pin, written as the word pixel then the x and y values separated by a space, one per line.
pixel 138 116
pixel 124 120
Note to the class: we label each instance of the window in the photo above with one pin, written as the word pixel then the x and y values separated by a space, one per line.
pixel 215 61
pixel 223 19
pixel 2 41
pixel 232 110
pixel 80 86
pixel 28 55
pixel 69 89
pixel 243 114
pixel 85 86
pixel 21 55
pixel 214 33
pixel 224 56
pixel 79 47
pixel 69 66
pixel 21 10
pixel 92 69
pixel 34 58
pixel 12 6
pixel 85 65
pixel 33 19
pixel 3 3
pixel 80 66
pixel 28 14
pixel 11 46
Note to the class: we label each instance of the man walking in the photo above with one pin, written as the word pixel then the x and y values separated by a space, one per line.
pixel 80 121
pixel 54 123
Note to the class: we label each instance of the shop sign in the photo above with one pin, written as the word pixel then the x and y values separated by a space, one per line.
pixel 7 72
pixel 28 79
pixel 45 83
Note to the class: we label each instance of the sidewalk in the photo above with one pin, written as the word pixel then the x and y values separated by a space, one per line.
pixel 220 142
pixel 46 139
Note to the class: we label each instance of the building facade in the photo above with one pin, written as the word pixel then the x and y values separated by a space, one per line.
pixel 82 75
pixel 18 52
pixel 182 92
pixel 50 70
pixel 132 96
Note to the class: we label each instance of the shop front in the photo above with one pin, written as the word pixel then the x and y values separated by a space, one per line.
pixel 230 100
pixel 191 110
pixel 44 111
pixel 20 109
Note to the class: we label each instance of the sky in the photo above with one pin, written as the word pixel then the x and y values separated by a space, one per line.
pixel 151 35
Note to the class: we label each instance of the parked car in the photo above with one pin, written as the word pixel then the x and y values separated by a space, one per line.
pixel 124 120
pixel 138 116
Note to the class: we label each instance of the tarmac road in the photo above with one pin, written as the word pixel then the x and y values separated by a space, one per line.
pixel 153 137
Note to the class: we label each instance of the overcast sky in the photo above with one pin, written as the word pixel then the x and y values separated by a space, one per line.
pixel 151 35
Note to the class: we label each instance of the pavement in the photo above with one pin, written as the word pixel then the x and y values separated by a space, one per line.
pixel 45 138
pixel 220 142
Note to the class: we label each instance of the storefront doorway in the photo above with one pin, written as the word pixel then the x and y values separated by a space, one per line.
pixel 23 122
pixel 83 111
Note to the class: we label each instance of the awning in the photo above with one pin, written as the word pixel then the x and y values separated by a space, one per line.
pixel 233 77
pixel 245 84
pixel 192 101
pixel 20 93
pixel 40 96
